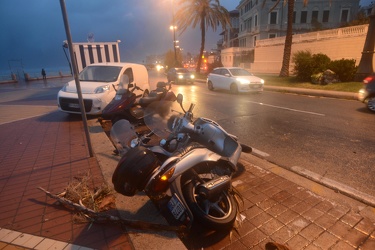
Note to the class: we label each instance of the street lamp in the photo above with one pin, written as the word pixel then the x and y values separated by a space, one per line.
pixel 173 28
pixel 65 46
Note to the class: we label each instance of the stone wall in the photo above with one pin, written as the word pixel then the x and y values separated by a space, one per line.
pixel 337 44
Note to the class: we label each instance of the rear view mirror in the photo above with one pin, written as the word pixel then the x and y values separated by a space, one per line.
pixel 180 98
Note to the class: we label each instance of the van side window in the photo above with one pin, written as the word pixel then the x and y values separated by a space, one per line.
pixel 129 73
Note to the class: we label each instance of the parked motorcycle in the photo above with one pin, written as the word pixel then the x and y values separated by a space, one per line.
pixel 188 174
pixel 127 105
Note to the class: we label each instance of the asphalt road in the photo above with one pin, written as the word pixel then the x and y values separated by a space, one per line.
pixel 331 137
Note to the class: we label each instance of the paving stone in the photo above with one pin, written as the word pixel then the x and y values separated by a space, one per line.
pixel 342 245
pixel 326 240
pixel 311 232
pixel 283 234
pixel 297 242
pixel 271 226
pixel 366 226
pixel 351 218
pixel 326 221
pixel 312 214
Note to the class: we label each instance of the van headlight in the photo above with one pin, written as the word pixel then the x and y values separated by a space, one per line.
pixel 101 89
pixel 64 87
pixel 192 76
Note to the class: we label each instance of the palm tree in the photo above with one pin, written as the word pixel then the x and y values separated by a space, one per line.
pixel 205 13
pixel 289 35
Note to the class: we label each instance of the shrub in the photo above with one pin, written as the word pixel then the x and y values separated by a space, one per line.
pixel 344 68
pixel 320 63
pixel 302 65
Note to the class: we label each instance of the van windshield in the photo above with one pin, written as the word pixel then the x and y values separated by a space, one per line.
pixel 100 73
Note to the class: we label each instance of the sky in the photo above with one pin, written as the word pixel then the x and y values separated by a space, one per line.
pixel 32 31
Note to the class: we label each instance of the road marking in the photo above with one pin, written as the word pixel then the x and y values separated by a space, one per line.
pixel 258 152
pixel 285 108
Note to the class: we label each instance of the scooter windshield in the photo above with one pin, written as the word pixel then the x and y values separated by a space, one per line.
pixel 157 116
pixel 122 133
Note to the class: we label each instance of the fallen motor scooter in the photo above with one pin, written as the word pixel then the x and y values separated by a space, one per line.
pixel 188 175
pixel 127 105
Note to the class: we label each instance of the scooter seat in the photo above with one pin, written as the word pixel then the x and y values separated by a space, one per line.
pixel 153 97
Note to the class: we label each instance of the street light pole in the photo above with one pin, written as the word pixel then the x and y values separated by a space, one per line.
pixel 173 27
pixel 75 69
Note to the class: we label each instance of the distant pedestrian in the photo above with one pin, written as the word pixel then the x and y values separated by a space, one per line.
pixel 44 74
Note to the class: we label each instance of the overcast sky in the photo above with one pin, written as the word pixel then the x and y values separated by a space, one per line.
pixel 33 30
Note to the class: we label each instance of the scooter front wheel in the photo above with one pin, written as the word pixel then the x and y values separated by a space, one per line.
pixel 214 214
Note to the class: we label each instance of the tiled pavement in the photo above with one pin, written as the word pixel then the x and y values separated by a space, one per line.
pixel 49 150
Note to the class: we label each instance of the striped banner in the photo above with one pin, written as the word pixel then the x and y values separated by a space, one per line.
pixel 88 53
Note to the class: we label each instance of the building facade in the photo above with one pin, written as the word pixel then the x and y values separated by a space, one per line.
pixel 258 21
pixel 260 24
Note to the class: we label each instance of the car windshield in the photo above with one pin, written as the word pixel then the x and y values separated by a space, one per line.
pixel 100 73
pixel 182 70
pixel 240 72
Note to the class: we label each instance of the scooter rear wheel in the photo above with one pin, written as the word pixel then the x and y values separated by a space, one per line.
pixel 219 214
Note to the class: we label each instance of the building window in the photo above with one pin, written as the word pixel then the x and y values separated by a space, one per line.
pixel 303 16
pixel 255 20
pixel 255 41
pixel 273 17
pixel 272 35
pixel 344 15
pixel 314 16
pixel 325 16
pixel 294 16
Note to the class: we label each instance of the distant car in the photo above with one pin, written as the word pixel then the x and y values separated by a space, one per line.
pixel 180 75
pixel 367 93
pixel 234 79
pixel 98 84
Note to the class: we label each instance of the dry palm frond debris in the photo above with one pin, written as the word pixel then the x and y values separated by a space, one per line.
pixel 90 204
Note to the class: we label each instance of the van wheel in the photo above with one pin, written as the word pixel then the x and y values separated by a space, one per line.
pixel 210 86
pixel 234 88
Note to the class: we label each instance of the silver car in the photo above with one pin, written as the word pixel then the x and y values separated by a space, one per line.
pixel 234 79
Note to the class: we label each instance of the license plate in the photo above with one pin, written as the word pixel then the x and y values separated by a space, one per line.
pixel 73 105
pixel 176 207
pixel 255 86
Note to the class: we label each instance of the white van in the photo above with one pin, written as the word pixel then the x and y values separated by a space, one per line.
pixel 98 82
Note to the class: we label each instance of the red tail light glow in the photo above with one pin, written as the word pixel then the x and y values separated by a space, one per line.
pixel 368 79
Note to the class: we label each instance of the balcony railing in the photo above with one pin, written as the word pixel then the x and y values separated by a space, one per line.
pixel 319 35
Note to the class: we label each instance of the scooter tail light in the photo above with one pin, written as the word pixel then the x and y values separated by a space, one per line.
pixel 368 79
pixel 161 184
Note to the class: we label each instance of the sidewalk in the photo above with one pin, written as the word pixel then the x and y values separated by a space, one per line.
pixel 49 149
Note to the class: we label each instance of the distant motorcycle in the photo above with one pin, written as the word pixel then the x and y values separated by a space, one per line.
pixel 127 105
pixel 188 174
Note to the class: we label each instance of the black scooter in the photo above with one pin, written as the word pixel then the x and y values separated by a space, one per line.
pixel 125 105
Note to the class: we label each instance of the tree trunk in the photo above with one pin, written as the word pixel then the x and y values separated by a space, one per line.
pixel 288 41
pixel 365 66
pixel 203 34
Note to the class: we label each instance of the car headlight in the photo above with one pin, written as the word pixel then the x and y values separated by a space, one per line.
pixel 101 89
pixel 243 80
pixel 261 81
pixel 180 76
pixel 192 76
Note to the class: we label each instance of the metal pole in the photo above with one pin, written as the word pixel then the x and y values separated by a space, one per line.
pixel 70 65
pixel 75 70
